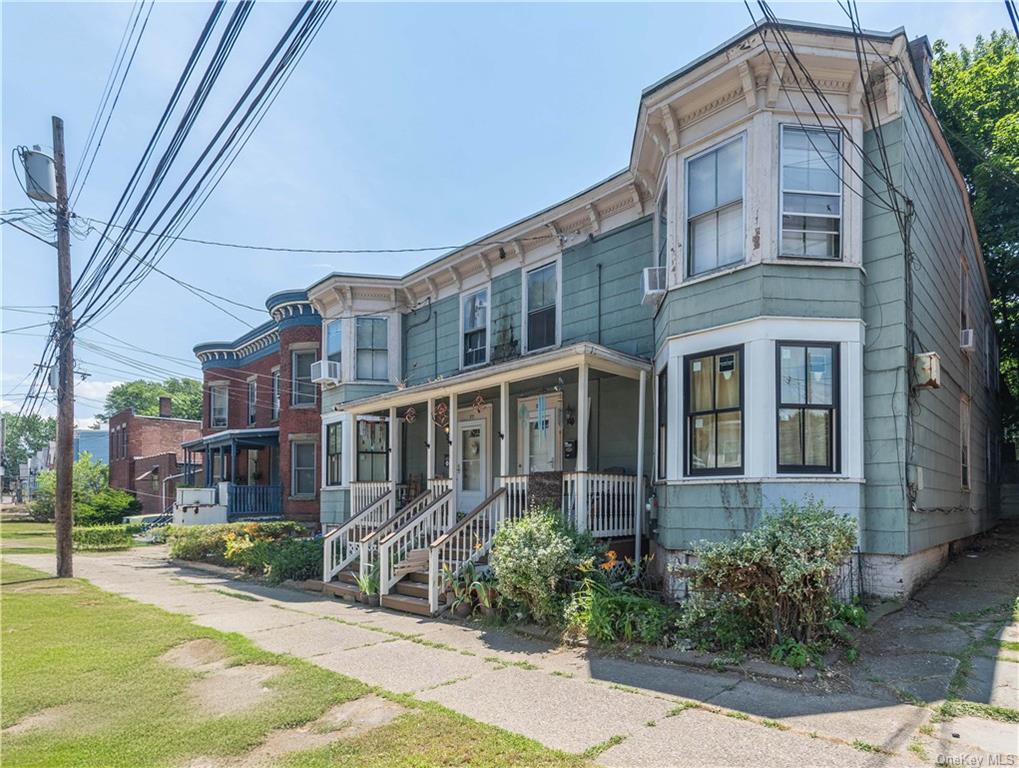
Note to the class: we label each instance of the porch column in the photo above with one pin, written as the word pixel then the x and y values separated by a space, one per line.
pixel 394 449
pixel 349 456
pixel 207 467
pixel 504 428
pixel 430 444
pixel 582 395
pixel 233 463
pixel 454 447
pixel 638 510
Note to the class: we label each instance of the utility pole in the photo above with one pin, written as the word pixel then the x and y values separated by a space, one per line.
pixel 64 515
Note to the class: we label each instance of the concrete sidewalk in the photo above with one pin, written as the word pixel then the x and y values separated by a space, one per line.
pixel 568 698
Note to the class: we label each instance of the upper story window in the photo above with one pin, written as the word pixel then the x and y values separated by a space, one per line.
pixel 808 406
pixel 714 193
pixel 334 341
pixel 811 192
pixel 218 397
pixel 302 388
pixel 964 295
pixel 714 412
pixel 475 328
pixel 275 394
pixel 662 228
pixel 541 298
pixel 372 349
pixel 252 390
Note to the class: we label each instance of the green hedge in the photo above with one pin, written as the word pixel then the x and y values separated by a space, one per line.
pixel 102 538
pixel 211 543
pixel 296 559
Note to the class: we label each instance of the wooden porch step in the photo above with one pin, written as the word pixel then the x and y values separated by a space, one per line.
pixel 340 589
pixel 416 560
pixel 347 576
pixel 417 587
pixel 407 604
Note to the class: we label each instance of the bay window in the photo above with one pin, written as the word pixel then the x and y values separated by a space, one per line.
pixel 714 193
pixel 475 328
pixel 334 453
pixel 663 423
pixel 372 450
pixel 811 192
pixel 662 228
pixel 714 412
pixel 372 349
pixel 334 341
pixel 808 407
pixel 541 297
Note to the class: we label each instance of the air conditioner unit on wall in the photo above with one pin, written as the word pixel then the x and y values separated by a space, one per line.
pixel 325 372
pixel 967 340
pixel 654 284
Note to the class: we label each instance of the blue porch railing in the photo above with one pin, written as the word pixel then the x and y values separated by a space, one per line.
pixel 254 500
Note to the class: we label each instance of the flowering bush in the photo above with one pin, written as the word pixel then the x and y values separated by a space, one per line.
pixel 532 557
pixel 611 612
pixel 771 584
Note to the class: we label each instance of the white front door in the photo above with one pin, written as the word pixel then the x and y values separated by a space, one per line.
pixel 541 444
pixel 472 474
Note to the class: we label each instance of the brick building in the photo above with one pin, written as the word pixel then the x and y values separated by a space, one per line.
pixel 145 451
pixel 260 415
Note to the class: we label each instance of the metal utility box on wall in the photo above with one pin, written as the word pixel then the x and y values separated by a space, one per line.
pixel 927 370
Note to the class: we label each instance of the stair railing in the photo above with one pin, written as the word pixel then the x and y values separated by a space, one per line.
pixel 341 546
pixel 416 534
pixel 467 541
pixel 369 545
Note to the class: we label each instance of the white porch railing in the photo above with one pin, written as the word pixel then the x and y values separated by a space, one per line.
pixel 440 484
pixel 600 503
pixel 341 545
pixel 370 544
pixel 467 541
pixel 516 495
pixel 362 495
pixel 400 551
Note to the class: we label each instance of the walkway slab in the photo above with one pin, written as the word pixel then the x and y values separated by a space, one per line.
pixel 571 715
pixel 315 638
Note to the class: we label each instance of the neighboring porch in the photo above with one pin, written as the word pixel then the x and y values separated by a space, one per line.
pixel 566 429
pixel 242 467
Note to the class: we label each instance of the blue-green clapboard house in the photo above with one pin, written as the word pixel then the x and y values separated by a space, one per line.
pixel 781 296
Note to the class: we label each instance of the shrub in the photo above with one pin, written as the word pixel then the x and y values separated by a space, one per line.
pixel 209 543
pixel 532 557
pixel 107 506
pixel 281 559
pixel 90 477
pixel 773 583
pixel 611 614
pixel 100 538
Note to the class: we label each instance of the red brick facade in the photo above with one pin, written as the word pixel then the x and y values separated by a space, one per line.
pixel 145 445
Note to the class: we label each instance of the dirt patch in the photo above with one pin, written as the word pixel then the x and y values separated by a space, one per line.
pixel 343 721
pixel 199 655
pixel 234 689
pixel 51 717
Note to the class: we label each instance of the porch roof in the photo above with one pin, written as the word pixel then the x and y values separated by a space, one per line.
pixel 257 437
pixel 519 369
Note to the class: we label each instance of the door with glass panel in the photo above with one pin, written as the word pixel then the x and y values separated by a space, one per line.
pixel 472 472
pixel 541 443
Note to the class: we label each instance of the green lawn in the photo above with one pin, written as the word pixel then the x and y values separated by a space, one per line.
pixel 26 538
pixel 96 656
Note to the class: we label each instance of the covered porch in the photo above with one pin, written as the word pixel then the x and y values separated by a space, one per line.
pixel 566 428
pixel 243 466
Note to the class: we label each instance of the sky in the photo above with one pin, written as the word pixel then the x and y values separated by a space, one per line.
pixel 404 126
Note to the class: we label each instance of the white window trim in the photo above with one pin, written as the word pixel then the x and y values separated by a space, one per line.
pixel 294 352
pixel 293 471
pixel 658 229
pixel 326 322
pixel 554 402
pixel 781 190
pixel 524 272
pixel 687 276
pixel 390 348
pixel 346 464
pixel 276 397
pixel 224 385
pixel 487 288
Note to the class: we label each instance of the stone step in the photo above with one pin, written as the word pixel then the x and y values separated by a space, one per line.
pixel 407 604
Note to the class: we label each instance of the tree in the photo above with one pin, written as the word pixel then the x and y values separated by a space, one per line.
pixel 143 396
pixel 23 436
pixel 93 501
pixel 976 97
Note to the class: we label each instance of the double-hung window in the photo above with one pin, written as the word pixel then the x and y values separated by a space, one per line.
pixel 372 349
pixel 302 388
pixel 811 192
pixel 475 328
pixel 714 412
pixel 334 341
pixel 252 401
pixel 714 193
pixel 302 480
pixel 964 427
pixel 334 453
pixel 372 450
pixel 275 394
pixel 542 289
pixel 662 229
pixel 218 405
pixel 663 423
pixel 808 407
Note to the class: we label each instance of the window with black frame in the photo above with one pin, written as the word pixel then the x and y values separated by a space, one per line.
pixel 663 422
pixel 714 412
pixel 334 454
pixel 542 294
pixel 475 328
pixel 372 349
pixel 808 406
pixel 372 450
